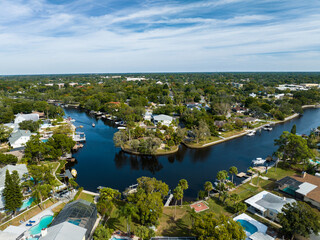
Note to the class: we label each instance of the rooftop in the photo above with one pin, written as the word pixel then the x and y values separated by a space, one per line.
pixel 18 134
pixel 64 231
pixel 314 192
pixel 265 200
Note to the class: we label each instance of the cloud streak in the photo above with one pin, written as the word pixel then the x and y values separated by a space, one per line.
pixel 126 36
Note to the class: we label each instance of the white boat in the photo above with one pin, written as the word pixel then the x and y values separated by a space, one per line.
pixel 121 128
pixel 251 133
pixel 93 125
pixel 258 161
pixel 267 128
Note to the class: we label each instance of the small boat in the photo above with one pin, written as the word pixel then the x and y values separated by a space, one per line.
pixel 121 128
pixel 80 126
pixel 93 125
pixel 267 128
pixel 74 172
pixel 258 161
pixel 251 133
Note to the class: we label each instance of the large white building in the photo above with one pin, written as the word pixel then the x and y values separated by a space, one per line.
pixel 163 119
pixel 26 117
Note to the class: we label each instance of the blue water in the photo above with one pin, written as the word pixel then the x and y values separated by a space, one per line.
pixel 113 238
pixel 75 222
pixel 44 222
pixel 248 226
pixel 44 140
pixel 26 204
pixel 102 164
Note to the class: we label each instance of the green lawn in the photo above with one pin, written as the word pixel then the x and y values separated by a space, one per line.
pixel 279 173
pixel 87 197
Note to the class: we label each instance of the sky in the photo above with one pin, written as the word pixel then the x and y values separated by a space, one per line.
pixel 118 36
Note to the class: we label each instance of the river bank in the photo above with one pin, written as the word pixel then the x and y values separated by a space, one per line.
pixel 246 132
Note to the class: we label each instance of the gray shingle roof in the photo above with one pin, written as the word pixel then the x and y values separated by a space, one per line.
pixel 16 135
pixel 64 231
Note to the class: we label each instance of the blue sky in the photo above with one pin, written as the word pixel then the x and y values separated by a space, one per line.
pixel 91 36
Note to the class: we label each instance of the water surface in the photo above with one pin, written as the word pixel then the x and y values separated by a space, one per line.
pixel 102 164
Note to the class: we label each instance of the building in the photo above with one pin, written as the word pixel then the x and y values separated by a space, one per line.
pixel 64 231
pixel 267 204
pixel 303 187
pixel 21 169
pixel 237 85
pixel 148 115
pixel 78 217
pixel 18 139
pixel 60 85
pixel 135 79
pixel 252 95
pixel 26 117
pixel 72 84
pixel 163 119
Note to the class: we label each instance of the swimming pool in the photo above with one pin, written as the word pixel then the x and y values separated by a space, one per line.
pixel 44 222
pixel 113 238
pixel 248 226
pixel 25 204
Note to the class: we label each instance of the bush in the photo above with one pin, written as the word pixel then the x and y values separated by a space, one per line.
pixel 8 159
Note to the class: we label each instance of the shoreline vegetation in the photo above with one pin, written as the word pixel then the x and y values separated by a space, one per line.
pixel 217 141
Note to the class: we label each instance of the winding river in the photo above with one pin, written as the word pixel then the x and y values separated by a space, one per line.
pixel 99 163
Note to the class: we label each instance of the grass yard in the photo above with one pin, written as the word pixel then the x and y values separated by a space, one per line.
pixel 28 214
pixel 58 208
pixel 87 197
pixel 279 173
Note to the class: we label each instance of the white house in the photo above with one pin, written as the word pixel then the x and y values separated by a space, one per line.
pixel 135 79
pixel 19 138
pixel 252 95
pixel 267 204
pixel 21 169
pixel 26 117
pixel 148 116
pixel 163 119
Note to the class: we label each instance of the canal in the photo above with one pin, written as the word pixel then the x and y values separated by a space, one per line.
pixel 99 163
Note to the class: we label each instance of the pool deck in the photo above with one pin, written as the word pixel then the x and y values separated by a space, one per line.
pixel 37 217
pixel 261 227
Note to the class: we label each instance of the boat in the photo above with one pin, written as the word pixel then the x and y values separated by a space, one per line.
pixel 258 161
pixel 251 133
pixel 93 125
pixel 121 128
pixel 267 128
pixel 74 172
pixel 80 126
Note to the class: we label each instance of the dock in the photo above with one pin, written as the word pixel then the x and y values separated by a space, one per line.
pixel 79 137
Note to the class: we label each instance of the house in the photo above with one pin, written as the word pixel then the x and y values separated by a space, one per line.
pixel 135 79
pixel 267 204
pixel 148 116
pixel 60 85
pixel 64 231
pixel 76 219
pixel 163 119
pixel 19 138
pixel 237 85
pixel 26 117
pixel 303 187
pixel 72 84
pixel 159 83
pixel 21 169
pixel 252 95
pixel 239 109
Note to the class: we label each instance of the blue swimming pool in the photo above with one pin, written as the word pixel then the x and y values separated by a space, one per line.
pixel 248 226
pixel 25 204
pixel 44 222
pixel 113 238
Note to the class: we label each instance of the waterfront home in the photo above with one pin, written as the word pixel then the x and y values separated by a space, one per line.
pixel 267 204
pixel 303 187
pixel 163 119
pixel 18 139
pixel 21 169
pixel 148 115
pixel 75 221
pixel 26 117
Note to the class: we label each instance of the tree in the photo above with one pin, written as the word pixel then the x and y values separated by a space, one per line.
pixel 102 233
pixel 60 144
pixel 4 132
pixel 108 194
pixel 127 211
pixel 34 149
pixel 299 218
pixel 178 195
pixel 293 147
pixel 193 215
pixel 183 183
pixel 294 129
pixel 208 187
pixel 8 159
pixel 234 198
pixel 240 207
pixel 12 191
pixel 221 187
pixel 119 138
pixel 233 171
pixel 144 233
pixel 208 227
pixel 222 175
pixel 30 125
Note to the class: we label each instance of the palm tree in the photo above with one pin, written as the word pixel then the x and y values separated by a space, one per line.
pixel 222 175
pixel 184 186
pixel 127 212
pixel 233 171
pixel 252 172
pixel 234 197
pixel 208 187
pixel 178 195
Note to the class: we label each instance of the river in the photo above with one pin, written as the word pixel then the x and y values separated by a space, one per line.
pixel 99 163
